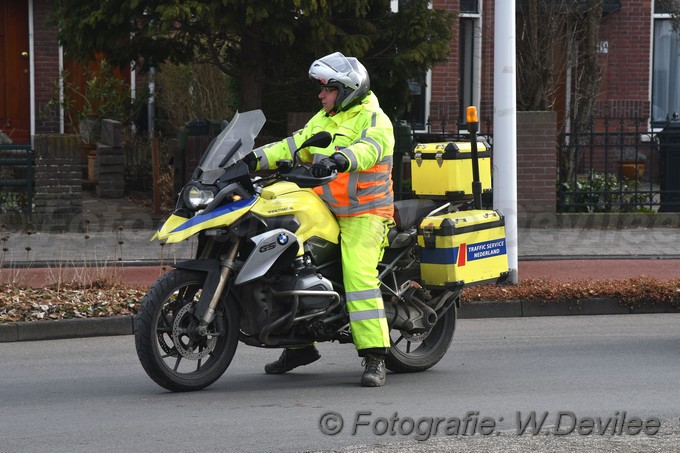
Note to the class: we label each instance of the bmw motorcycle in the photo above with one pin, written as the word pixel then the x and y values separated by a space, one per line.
pixel 267 271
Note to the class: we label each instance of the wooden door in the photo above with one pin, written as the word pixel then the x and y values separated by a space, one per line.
pixel 15 115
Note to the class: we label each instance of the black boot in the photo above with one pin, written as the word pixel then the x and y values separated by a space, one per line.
pixel 292 358
pixel 374 373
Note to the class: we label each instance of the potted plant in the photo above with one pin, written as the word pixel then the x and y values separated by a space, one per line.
pixel 632 164
pixel 101 96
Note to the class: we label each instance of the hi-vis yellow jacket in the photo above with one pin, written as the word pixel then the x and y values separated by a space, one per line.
pixel 363 134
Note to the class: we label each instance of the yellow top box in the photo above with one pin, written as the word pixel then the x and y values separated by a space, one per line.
pixel 444 170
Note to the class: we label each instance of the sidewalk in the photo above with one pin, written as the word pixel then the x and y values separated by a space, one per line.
pixel 117 244
pixel 110 231
pixel 120 231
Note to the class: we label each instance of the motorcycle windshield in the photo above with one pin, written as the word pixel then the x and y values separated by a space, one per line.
pixel 232 145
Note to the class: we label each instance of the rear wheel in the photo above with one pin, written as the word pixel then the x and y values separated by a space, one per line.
pixel 411 352
pixel 168 345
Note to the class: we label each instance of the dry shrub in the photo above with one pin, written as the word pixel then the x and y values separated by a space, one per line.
pixel 68 301
pixel 632 291
pixel 106 296
pixel 194 91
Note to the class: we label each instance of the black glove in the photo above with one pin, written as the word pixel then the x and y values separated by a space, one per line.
pixel 326 165
pixel 251 161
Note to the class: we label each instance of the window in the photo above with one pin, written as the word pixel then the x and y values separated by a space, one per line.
pixel 666 71
pixel 664 6
pixel 416 114
pixel 469 6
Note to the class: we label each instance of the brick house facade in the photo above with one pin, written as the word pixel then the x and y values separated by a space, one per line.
pixel 625 59
pixel 626 65
pixel 46 61
pixel 467 77
pixel 625 62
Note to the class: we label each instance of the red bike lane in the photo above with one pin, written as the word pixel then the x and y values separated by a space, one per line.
pixel 558 270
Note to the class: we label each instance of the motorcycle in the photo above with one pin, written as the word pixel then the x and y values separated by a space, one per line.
pixel 267 271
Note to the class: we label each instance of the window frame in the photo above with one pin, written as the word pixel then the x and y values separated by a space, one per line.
pixel 660 122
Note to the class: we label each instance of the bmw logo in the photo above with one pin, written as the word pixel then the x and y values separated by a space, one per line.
pixel 282 239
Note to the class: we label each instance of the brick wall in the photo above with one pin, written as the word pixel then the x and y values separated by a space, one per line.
pixel 536 164
pixel 625 89
pixel 486 101
pixel 58 185
pixel 626 65
pixel 46 57
pixel 110 161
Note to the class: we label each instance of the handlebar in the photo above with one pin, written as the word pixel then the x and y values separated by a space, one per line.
pixel 302 176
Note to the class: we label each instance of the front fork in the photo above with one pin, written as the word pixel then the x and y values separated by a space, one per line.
pixel 215 282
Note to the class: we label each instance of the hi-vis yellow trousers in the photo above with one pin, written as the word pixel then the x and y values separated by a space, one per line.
pixel 362 241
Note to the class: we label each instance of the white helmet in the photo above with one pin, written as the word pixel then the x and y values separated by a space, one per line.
pixel 346 74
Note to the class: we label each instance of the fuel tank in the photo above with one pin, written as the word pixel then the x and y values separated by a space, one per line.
pixel 286 198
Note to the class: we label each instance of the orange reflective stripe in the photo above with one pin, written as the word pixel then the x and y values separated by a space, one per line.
pixel 363 192
pixel 368 184
pixel 340 188
pixel 372 195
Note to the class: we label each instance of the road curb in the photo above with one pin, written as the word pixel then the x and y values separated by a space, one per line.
pixel 533 308
pixel 124 325
pixel 66 328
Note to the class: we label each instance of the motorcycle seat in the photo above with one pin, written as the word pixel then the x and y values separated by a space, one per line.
pixel 407 213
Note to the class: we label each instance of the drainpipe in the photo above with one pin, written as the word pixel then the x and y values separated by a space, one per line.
pixel 31 69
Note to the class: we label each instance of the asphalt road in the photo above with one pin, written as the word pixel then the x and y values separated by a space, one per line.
pixel 92 395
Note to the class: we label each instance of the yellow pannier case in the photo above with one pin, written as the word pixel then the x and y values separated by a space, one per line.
pixel 462 249
pixel 443 171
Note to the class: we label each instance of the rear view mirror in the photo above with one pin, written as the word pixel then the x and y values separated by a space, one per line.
pixel 319 140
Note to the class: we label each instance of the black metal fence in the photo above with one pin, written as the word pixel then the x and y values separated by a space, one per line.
pixel 614 165
pixel 16 178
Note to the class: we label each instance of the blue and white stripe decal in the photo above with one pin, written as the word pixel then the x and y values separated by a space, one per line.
pixel 465 253
pixel 222 210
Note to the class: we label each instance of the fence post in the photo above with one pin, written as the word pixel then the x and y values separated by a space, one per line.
pixel 156 171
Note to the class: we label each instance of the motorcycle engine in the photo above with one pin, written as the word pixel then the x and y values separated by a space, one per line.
pixel 274 297
pixel 311 282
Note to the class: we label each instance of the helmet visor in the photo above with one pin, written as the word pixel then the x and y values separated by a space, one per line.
pixel 333 67
pixel 337 62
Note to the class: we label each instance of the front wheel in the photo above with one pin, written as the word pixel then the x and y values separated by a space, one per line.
pixel 411 352
pixel 169 347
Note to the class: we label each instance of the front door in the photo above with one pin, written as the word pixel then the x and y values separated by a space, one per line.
pixel 15 115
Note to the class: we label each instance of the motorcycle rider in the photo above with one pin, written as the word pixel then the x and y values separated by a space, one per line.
pixel 361 199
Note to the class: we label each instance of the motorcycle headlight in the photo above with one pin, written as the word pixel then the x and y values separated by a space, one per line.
pixel 195 197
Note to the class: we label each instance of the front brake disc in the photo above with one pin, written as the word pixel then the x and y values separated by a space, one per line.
pixel 185 345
